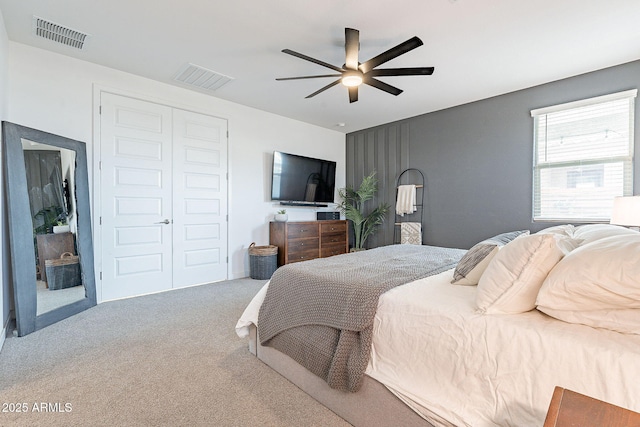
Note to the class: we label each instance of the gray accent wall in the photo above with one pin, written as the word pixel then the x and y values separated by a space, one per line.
pixel 477 158
pixel 385 150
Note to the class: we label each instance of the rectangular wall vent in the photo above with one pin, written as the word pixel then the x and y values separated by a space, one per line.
pixel 200 77
pixel 58 33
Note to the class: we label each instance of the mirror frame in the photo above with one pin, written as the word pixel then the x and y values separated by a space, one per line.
pixel 23 260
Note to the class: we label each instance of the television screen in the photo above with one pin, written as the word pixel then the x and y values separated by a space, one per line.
pixel 302 179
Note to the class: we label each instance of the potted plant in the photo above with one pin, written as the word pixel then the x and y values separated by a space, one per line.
pixel 51 216
pixel 353 208
pixel 61 227
pixel 281 216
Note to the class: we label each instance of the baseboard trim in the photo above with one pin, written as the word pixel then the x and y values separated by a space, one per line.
pixel 3 336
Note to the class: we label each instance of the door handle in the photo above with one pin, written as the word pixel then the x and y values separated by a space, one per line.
pixel 166 221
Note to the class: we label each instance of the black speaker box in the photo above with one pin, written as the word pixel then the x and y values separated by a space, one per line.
pixel 324 216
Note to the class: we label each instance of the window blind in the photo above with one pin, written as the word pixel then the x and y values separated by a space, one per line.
pixel 583 157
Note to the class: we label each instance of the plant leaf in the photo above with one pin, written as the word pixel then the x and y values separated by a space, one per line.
pixel 352 207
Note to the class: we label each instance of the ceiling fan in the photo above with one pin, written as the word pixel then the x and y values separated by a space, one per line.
pixel 353 73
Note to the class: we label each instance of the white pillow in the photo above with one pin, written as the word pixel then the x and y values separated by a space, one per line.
pixel 591 232
pixel 511 282
pixel 623 320
pixel 563 230
pixel 475 261
pixel 597 284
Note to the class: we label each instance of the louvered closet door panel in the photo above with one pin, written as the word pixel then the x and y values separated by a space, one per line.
pixel 199 198
pixel 136 196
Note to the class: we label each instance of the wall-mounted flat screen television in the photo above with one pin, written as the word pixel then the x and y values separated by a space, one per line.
pixel 302 180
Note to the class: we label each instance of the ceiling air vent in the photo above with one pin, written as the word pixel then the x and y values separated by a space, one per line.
pixel 58 33
pixel 194 75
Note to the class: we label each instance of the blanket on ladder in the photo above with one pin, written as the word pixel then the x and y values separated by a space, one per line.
pixel 320 312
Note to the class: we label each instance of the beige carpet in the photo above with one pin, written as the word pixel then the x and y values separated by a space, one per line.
pixel 169 359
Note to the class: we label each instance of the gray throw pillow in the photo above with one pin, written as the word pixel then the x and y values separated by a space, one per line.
pixel 476 260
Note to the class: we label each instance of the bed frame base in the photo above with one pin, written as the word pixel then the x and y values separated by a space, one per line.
pixel 372 405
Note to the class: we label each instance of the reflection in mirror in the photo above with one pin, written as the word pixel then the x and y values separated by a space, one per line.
pixel 51 247
pixel 50 173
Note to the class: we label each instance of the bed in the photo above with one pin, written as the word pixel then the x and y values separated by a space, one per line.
pixel 525 313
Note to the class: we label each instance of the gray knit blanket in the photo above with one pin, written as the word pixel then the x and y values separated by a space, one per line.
pixel 320 312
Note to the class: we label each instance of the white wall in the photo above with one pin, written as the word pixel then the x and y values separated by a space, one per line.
pixel 5 294
pixel 54 93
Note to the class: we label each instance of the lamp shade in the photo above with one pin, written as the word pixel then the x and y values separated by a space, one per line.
pixel 626 211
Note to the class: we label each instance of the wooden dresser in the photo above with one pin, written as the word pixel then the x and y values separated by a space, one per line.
pixel 305 240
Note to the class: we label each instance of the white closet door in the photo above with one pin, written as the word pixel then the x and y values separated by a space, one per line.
pixel 199 198
pixel 135 152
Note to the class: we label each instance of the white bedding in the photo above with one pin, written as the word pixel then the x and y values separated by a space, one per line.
pixel 456 366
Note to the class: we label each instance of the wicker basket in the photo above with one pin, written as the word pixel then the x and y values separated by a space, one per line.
pixel 64 272
pixel 263 261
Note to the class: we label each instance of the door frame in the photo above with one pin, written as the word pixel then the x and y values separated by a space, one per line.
pixel 96 184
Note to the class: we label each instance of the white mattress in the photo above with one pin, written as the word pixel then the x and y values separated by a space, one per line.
pixel 457 367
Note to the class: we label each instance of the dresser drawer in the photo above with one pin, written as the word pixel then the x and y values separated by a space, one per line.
pixel 333 239
pixel 339 227
pixel 303 244
pixel 302 250
pixel 331 250
pixel 301 231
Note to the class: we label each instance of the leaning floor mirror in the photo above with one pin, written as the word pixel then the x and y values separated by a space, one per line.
pixel 51 248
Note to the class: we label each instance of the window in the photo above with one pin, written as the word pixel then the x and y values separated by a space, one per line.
pixel 583 157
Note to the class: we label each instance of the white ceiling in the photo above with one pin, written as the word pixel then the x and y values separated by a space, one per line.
pixel 479 48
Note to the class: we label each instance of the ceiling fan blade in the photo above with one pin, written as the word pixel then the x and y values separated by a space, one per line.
pixel 351 48
pixel 330 85
pixel 310 59
pixel 308 77
pixel 415 71
pixel 382 86
pixel 353 93
pixel 394 52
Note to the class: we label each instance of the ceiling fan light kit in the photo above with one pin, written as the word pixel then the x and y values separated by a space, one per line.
pixel 353 73
pixel 352 78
